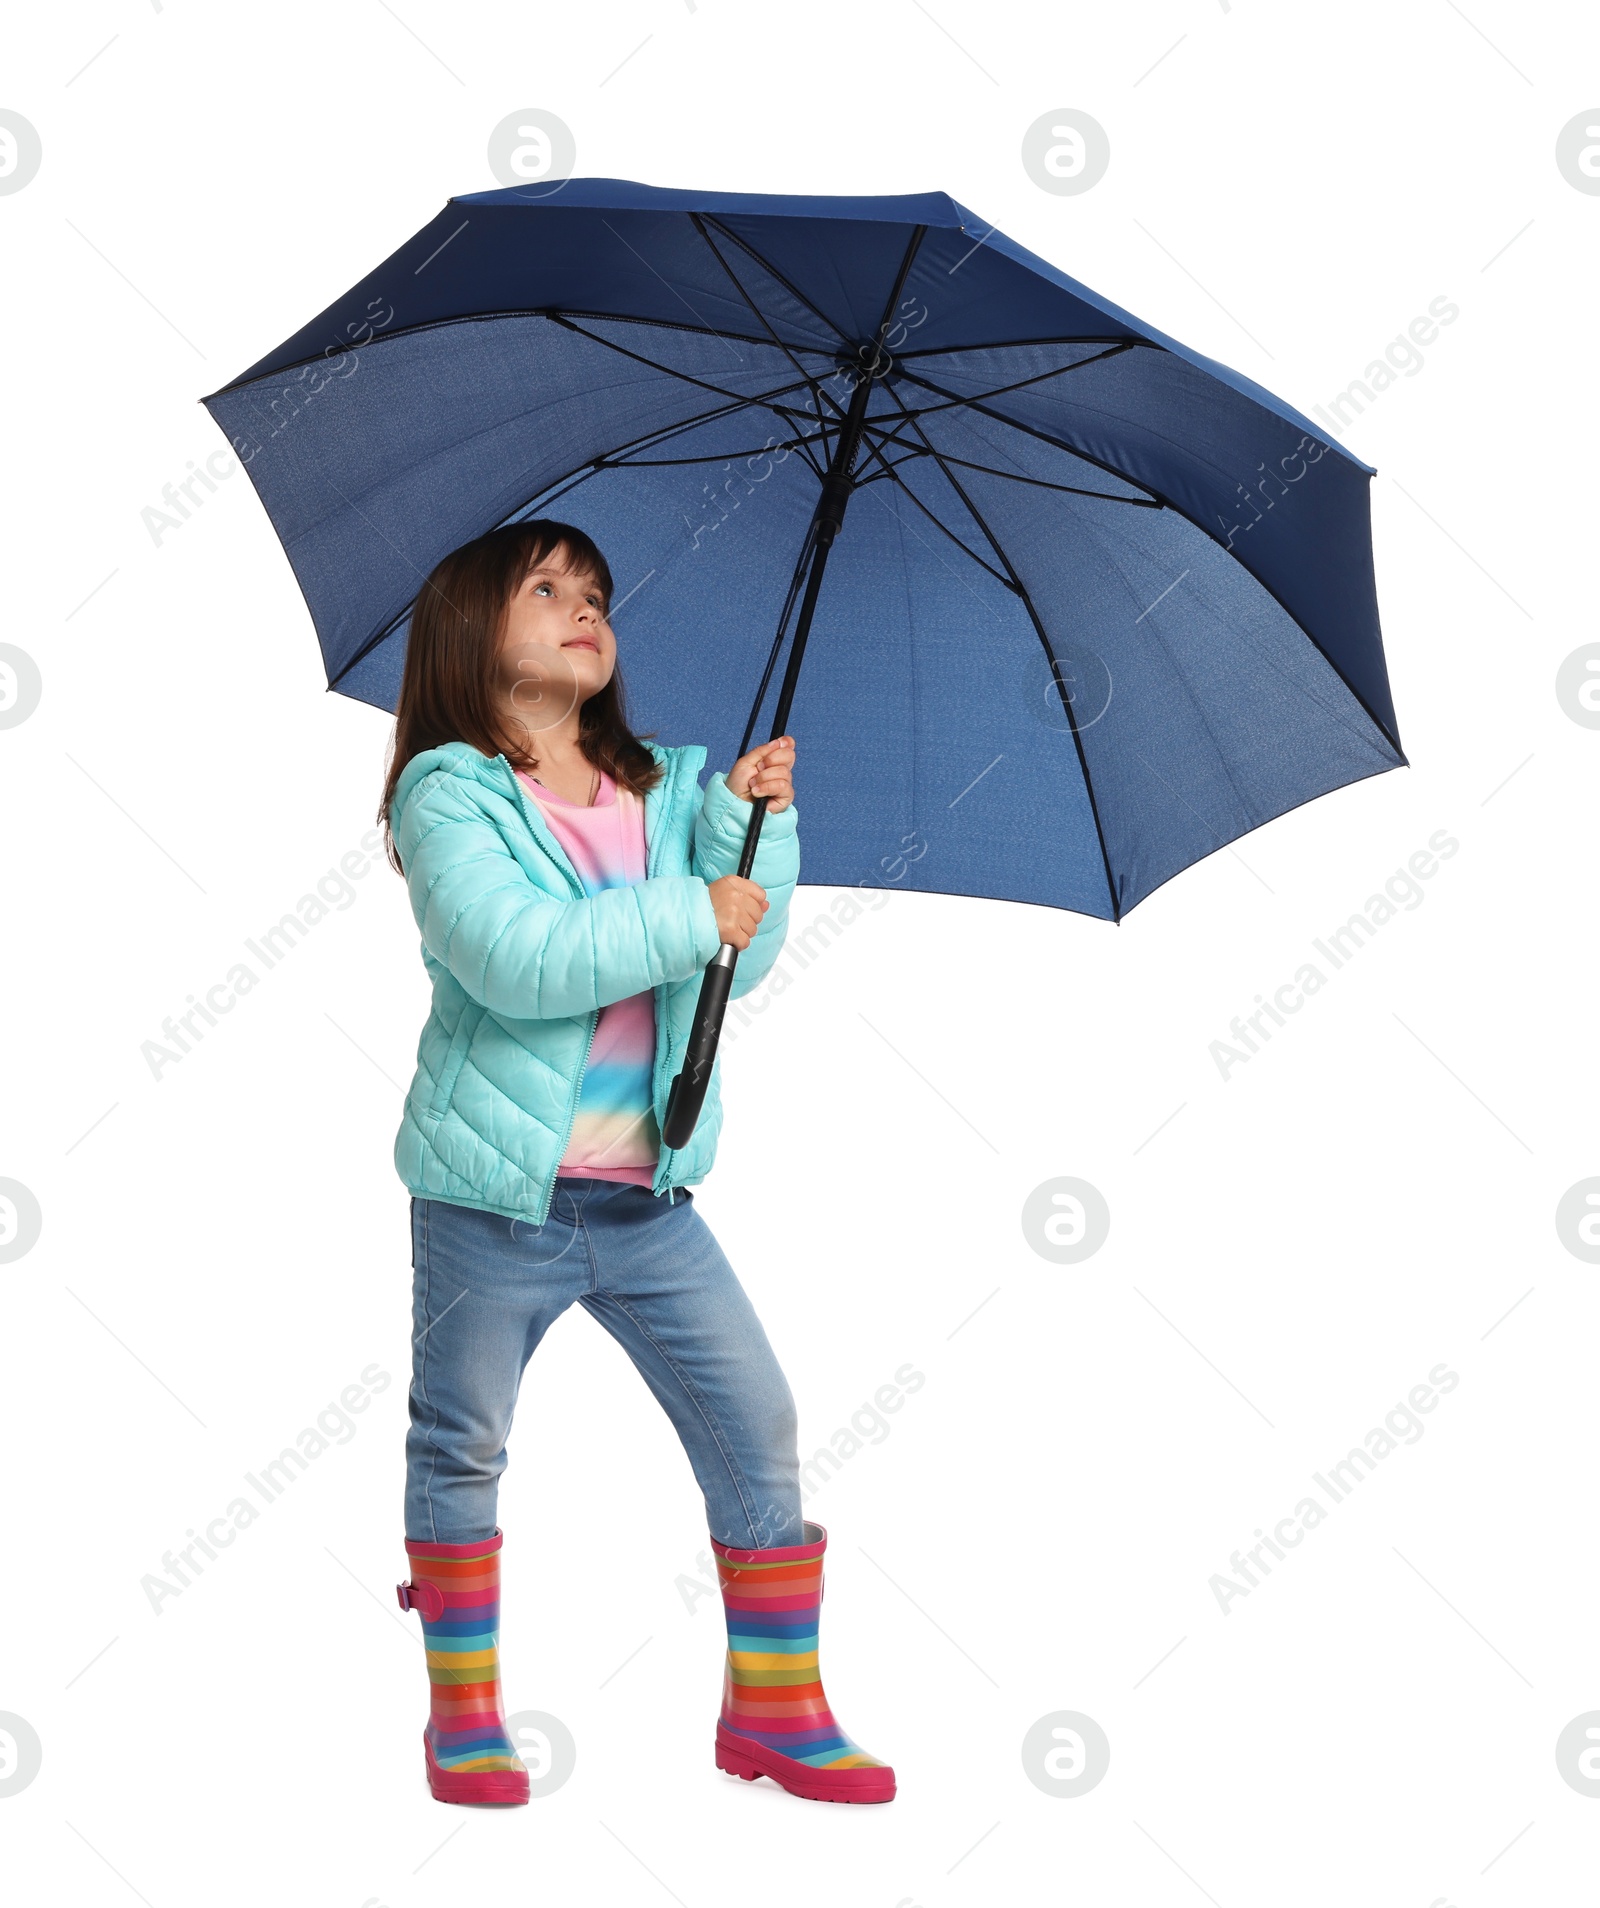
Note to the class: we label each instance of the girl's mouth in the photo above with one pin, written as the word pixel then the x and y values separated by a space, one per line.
pixel 582 642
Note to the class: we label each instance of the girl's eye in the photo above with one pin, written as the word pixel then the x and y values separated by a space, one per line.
pixel 540 586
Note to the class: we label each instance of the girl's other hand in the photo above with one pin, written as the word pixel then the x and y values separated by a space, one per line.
pixel 739 906
pixel 767 771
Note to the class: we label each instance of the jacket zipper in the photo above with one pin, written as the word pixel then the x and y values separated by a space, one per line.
pixel 572 1117
pixel 540 831
pixel 663 1175
pixel 652 861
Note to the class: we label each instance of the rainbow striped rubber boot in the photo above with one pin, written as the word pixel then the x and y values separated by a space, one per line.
pixel 775 1717
pixel 455 1589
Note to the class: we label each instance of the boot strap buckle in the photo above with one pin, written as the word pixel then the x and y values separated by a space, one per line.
pixel 427 1599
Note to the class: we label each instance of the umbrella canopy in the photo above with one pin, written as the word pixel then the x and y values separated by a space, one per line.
pixel 1099 605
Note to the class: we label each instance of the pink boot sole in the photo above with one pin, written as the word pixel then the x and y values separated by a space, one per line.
pixel 737 1755
pixel 474 1785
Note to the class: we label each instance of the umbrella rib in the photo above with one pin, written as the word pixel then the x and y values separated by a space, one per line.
pixel 762 318
pixel 1022 344
pixel 789 413
pixel 670 370
pixel 700 383
pixel 1030 430
pixel 494 317
pixel 1150 499
pixel 560 487
pixel 710 457
pixel 1003 390
pixel 664 431
pixel 1044 437
pixel 891 471
pixel 619 458
pixel 1072 490
pixel 661 324
pixel 1044 639
pixel 912 453
pixel 966 550
pixel 772 271
pixel 783 625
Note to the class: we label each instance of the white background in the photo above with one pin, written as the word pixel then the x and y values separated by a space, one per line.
pixel 226 1248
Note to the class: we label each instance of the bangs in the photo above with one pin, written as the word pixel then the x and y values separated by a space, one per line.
pixel 542 544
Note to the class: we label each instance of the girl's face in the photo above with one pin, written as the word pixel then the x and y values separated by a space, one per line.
pixel 557 649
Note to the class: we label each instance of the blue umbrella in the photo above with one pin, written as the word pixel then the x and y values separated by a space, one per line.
pixel 1101 607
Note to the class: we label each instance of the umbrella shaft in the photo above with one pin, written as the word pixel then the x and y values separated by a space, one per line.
pixel 825 522
pixel 690 1087
pixel 827 517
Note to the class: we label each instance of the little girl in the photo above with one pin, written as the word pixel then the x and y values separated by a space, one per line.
pixel 571 882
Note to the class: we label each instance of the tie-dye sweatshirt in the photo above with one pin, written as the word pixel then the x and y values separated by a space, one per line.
pixel 614 1135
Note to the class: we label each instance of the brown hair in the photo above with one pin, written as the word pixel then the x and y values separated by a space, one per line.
pixel 456 622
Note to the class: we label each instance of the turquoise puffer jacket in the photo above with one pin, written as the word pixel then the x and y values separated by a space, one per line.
pixel 522 962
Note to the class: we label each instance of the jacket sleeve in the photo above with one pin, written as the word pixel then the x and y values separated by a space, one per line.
pixel 526 954
pixel 718 838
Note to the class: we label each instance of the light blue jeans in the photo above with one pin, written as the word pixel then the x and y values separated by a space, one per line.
pixel 486 1289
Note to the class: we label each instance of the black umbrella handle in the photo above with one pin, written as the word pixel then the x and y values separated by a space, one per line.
pixel 688 1093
